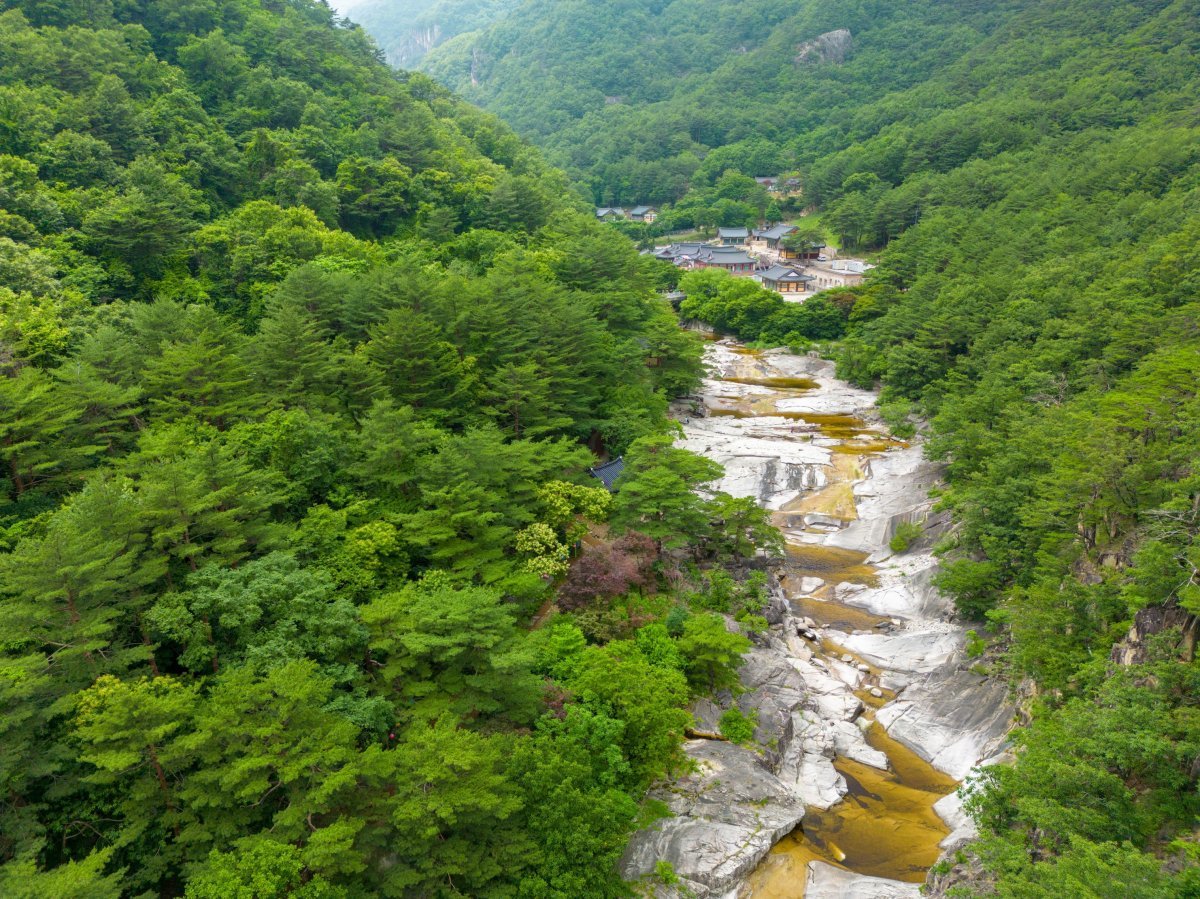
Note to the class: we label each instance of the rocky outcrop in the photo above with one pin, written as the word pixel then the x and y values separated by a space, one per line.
pixel 951 719
pixel 1154 620
pixel 727 816
pixel 830 47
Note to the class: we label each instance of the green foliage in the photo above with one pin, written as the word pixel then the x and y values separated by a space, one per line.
pixel 1070 789
pixel 741 306
pixel 441 649
pixel 976 645
pixel 738 727
pixel 1029 173
pixel 713 653
pixel 906 533
pixel 620 682
pixel 299 358
pixel 657 493
pixel 257 868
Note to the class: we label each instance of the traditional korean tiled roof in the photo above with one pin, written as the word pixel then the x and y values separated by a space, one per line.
pixel 785 274
pixel 724 256
pixel 608 473
pixel 776 232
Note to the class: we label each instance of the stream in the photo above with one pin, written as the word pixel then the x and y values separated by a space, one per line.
pixel 890 719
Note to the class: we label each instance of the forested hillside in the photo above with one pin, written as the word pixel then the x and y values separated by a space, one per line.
pixel 300 361
pixel 1030 174
pixel 406 30
pixel 630 97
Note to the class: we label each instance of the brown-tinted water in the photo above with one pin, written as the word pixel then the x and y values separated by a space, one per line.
pixel 831 563
pixel 829 613
pixel 885 826
pixel 776 383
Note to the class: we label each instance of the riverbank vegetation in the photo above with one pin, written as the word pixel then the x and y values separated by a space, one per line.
pixel 300 361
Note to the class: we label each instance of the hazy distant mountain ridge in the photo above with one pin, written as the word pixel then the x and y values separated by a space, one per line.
pixel 406 30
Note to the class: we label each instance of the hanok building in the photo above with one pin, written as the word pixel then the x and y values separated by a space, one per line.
pixel 645 214
pixel 609 213
pixel 683 255
pixel 773 235
pixel 734 260
pixel 733 237
pixel 805 253
pixel 785 279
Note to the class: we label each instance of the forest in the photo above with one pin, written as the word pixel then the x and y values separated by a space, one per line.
pixel 654 102
pixel 1026 176
pixel 304 586
pixel 304 365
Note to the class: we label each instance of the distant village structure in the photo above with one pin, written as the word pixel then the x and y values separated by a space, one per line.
pixel 804 254
pixel 646 214
pixel 732 259
pixel 786 279
pixel 794 271
pixel 840 273
pixel 773 235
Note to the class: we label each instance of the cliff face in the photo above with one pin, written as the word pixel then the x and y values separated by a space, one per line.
pixel 407 30
pixel 1150 622
pixel 412 47
pixel 830 47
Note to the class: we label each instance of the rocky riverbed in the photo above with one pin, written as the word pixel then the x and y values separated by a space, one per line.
pixel 868 714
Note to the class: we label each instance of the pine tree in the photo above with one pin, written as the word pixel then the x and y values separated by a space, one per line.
pixel 421 368
pixel 292 360
pixel 42 438
pixel 522 399
pixel 269 755
pixel 713 652
pixel 454 812
pixel 128 731
pixel 202 375
pixel 657 493
pixel 447 649
pixel 201 502
pixel 76 593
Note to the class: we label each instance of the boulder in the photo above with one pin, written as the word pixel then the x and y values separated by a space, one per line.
pixel 827 882
pixel 775 689
pixel 727 816
pixel 951 719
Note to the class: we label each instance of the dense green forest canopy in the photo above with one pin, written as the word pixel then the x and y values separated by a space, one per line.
pixel 300 358
pixel 1030 172
pixel 641 101
pixel 300 361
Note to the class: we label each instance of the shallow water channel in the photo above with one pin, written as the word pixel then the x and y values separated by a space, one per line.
pixel 885 826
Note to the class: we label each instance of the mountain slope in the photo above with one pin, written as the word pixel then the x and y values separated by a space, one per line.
pixel 630 96
pixel 300 361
